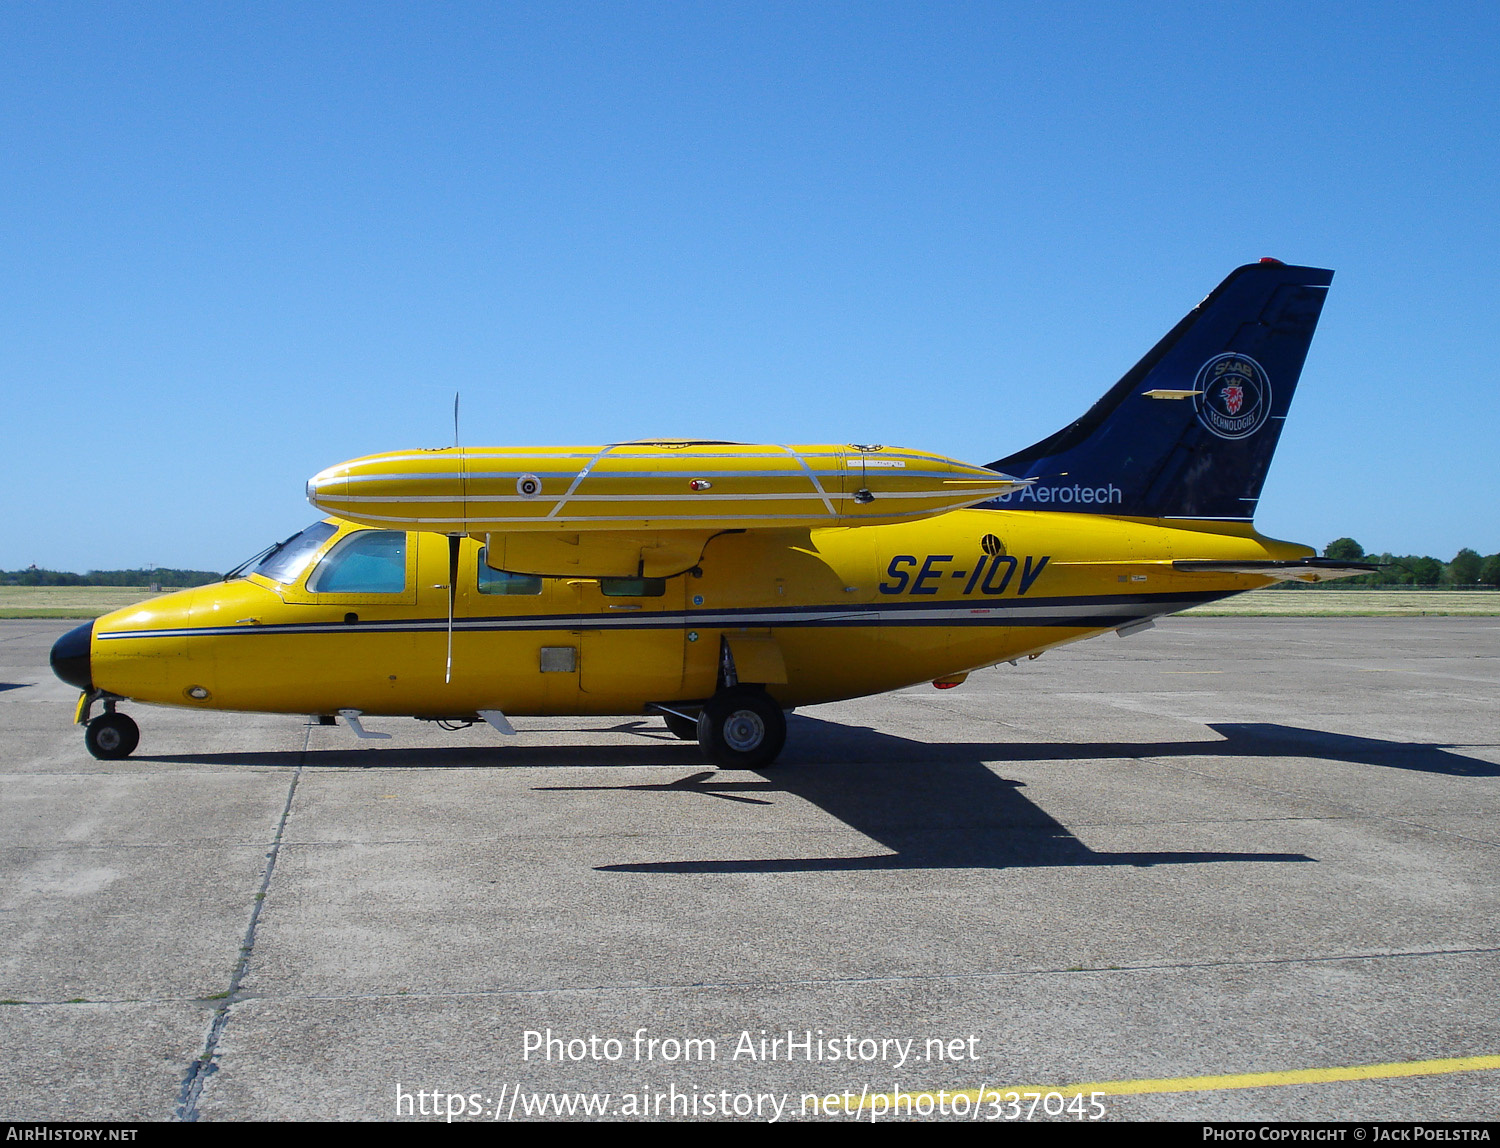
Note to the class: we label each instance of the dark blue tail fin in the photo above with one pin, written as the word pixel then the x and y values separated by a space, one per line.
pixel 1190 430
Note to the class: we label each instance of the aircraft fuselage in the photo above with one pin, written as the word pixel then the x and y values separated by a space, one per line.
pixel 824 614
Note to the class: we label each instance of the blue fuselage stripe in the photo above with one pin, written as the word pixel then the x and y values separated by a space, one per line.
pixel 1090 611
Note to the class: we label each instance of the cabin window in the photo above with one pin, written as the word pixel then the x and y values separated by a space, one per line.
pixel 366 562
pixel 285 562
pixel 492 581
pixel 632 587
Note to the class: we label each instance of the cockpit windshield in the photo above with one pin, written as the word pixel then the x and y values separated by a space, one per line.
pixel 286 561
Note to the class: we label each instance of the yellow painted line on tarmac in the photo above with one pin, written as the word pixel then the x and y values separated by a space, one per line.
pixel 1295 1076
pixel 1204 1083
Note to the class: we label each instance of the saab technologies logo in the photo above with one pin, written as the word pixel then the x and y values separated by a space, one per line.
pixel 1236 395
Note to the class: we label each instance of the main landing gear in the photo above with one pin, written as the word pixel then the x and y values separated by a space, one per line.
pixel 685 728
pixel 741 727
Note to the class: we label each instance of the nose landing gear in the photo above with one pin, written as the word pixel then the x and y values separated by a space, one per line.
pixel 111 736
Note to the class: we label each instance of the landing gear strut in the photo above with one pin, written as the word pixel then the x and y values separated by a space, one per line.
pixel 741 728
pixel 111 736
pixel 682 727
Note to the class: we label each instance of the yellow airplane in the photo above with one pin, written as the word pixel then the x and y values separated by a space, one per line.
pixel 721 584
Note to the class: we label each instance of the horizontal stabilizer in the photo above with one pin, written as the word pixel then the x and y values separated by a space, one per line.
pixel 1292 569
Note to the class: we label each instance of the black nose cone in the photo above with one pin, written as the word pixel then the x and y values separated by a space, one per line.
pixel 70 657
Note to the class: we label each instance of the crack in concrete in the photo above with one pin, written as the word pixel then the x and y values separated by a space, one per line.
pixel 1248 963
pixel 206 1064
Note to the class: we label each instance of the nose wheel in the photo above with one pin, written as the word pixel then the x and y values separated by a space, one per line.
pixel 741 728
pixel 111 736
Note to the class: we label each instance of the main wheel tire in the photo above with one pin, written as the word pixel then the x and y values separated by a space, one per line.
pixel 685 728
pixel 110 737
pixel 741 728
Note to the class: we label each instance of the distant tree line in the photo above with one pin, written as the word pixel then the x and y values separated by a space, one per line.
pixel 1468 567
pixel 157 577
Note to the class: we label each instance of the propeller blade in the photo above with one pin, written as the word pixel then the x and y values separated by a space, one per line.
pixel 453 542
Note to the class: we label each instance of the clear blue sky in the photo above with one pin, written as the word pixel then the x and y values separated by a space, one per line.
pixel 241 242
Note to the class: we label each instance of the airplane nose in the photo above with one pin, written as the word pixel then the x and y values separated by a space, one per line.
pixel 70 657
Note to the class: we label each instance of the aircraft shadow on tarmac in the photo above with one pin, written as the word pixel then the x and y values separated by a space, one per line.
pixel 814 741
pixel 964 816
pixel 936 805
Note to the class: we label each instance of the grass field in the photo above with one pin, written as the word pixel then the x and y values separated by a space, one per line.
pixel 1321 603
pixel 92 601
pixel 68 601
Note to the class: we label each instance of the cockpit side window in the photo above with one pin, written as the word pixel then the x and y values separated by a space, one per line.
pixel 286 562
pixel 492 581
pixel 366 562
